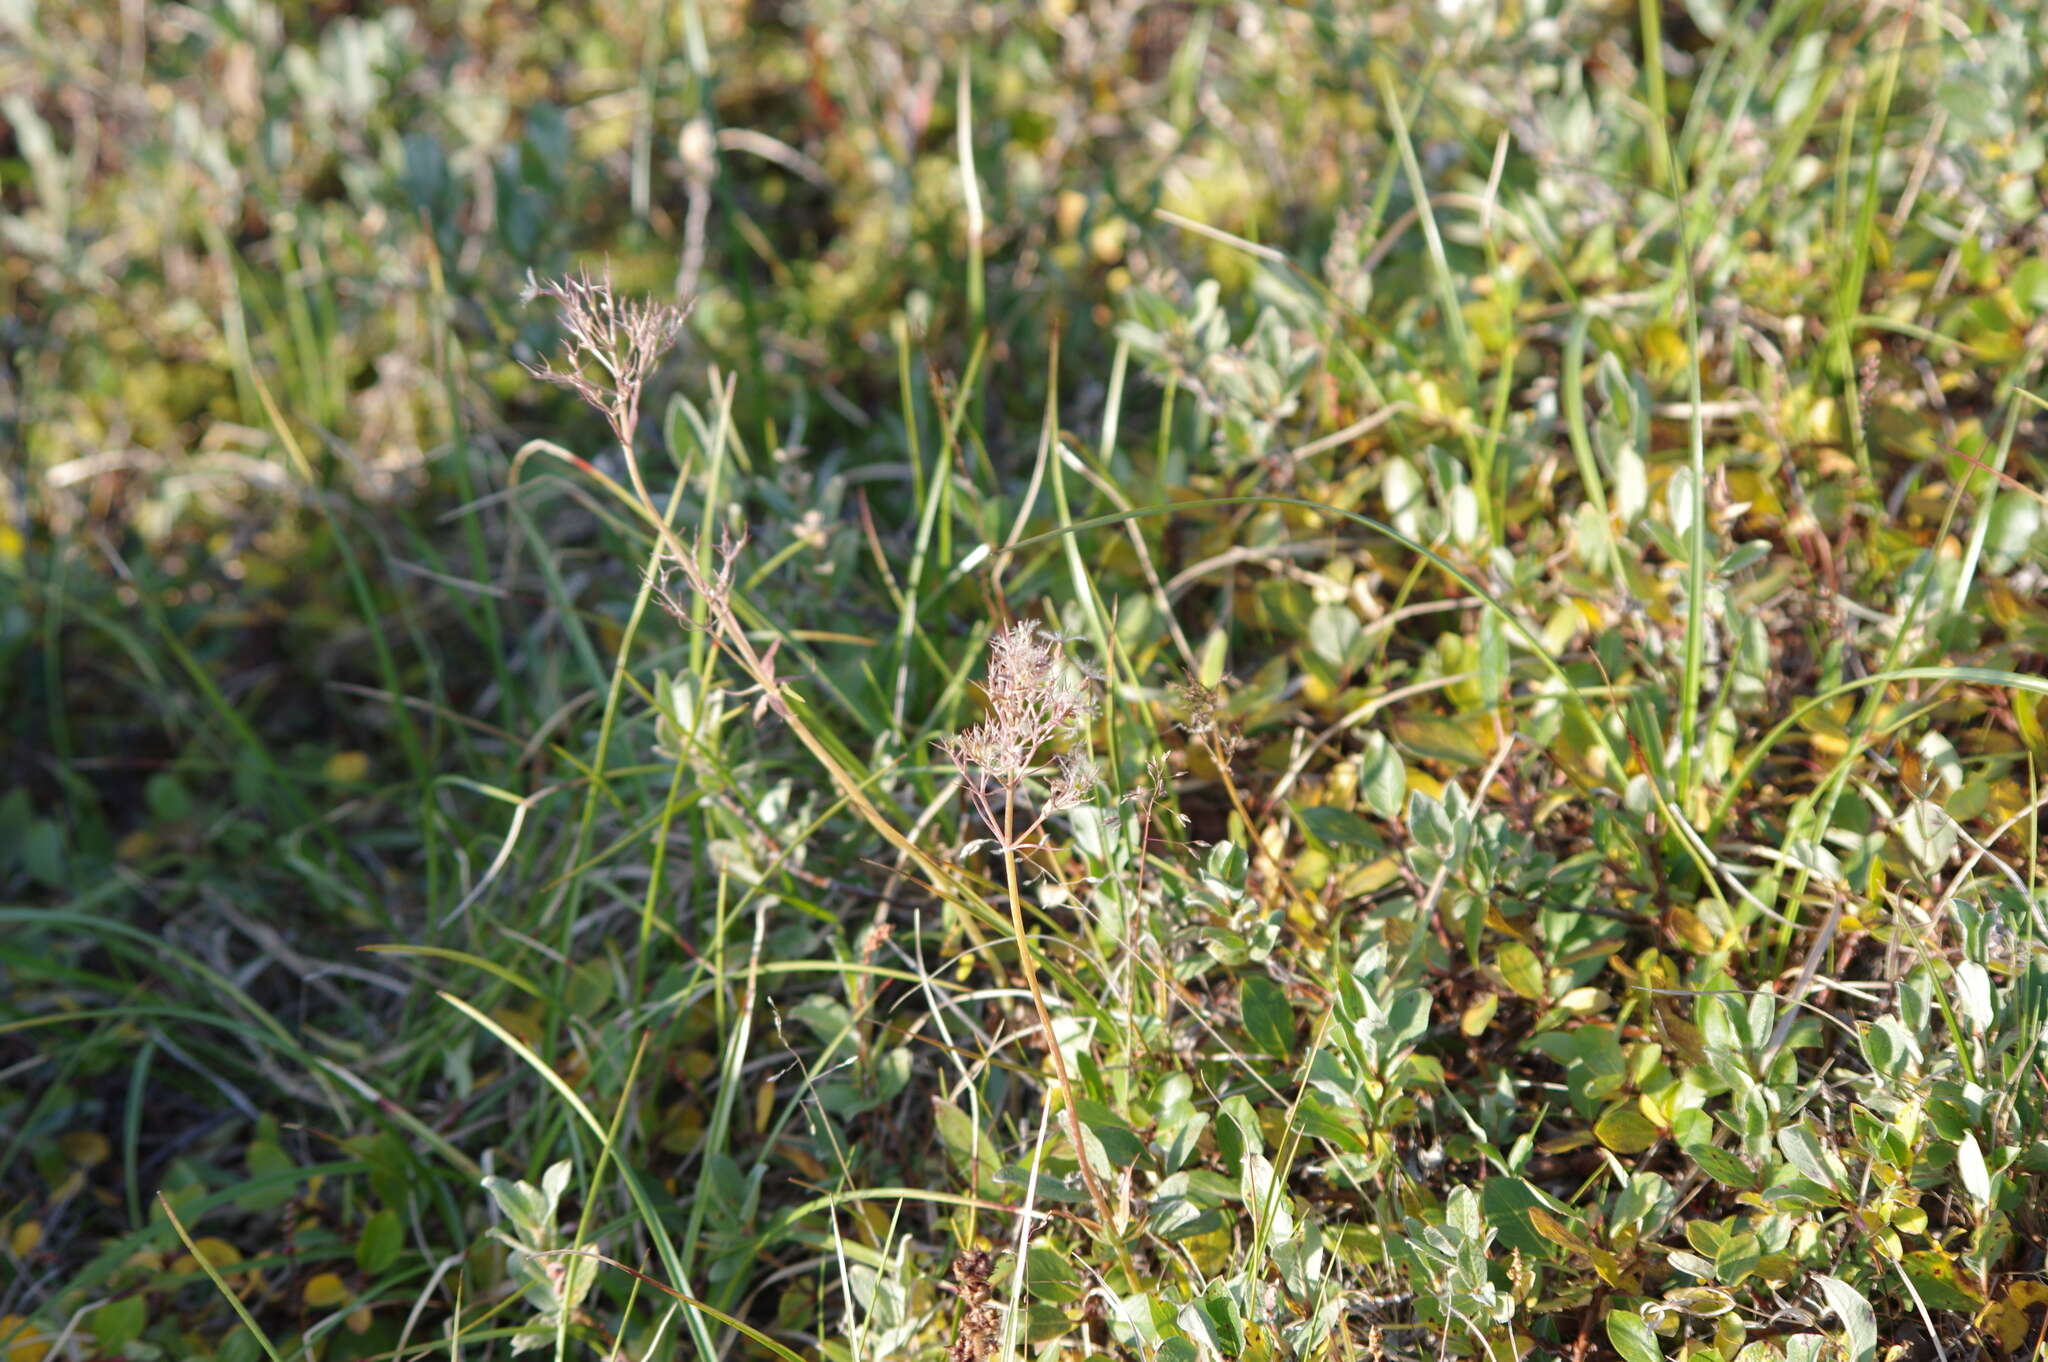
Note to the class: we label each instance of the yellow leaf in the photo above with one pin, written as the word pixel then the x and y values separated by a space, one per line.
pixel 325 1291
pixel 26 1236
pixel 1209 1252
pixel 1520 970
pixel 85 1148
pixel 2005 1326
pixel 700 1064
pixel 2027 1293
pixel 764 1105
pixel 1361 880
pixel 1625 1130
pixel 1823 420
pixel 804 1161
pixel 1702 1302
pixel 524 1025
pixel 217 1253
pixel 359 1320
pixel 2026 711
pixel 1585 1000
pixel 1557 1232
pixel 135 845
pixel 1610 1270
pixel 1747 484
pixel 1666 348
pixel 1688 928
pixel 1068 210
pixel 26 1344
pixel 1429 398
pixel 348 768
pixel 682 1127
pixel 1475 1017
pixel 2006 1321
pixel 1425 782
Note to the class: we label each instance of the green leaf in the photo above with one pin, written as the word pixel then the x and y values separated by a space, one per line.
pixel 1267 1017
pixel 1238 1133
pixel 1213 1318
pixel 1803 1149
pixel 383 1237
pixel 1933 1274
pixel 1333 631
pixel 1214 649
pixel 1382 777
pixel 1338 827
pixel 1593 1063
pixel 1521 1211
pixel 591 987
pixel 966 1143
pixel 1493 659
pixel 1738 1257
pixel 1520 970
pixel 266 1159
pixel 1970 1167
pixel 166 797
pixel 1721 1165
pixel 1050 1276
pixel 41 852
pixel 520 1203
pixel 1972 994
pixel 239 1346
pixel 1267 1200
pixel 1119 1142
pixel 1625 1129
pixel 1855 1313
pixel 1632 1338
pixel 119 1323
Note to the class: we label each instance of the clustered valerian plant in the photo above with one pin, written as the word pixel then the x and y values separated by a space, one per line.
pixel 982 1320
pixel 1035 701
pixel 613 348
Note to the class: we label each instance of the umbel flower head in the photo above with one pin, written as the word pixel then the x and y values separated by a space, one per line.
pixel 1036 698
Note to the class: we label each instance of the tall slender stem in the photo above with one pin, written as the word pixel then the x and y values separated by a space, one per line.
pixel 1059 1059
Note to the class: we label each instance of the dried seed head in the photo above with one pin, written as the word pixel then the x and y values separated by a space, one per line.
pixel 1034 697
pixel 982 1320
pixel 1200 702
pixel 613 345
pixel 1075 782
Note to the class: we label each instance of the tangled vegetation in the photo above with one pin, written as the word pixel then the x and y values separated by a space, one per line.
pixel 1172 682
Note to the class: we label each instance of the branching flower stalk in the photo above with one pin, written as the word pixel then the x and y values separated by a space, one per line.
pixel 613 348
pixel 1034 702
pixel 614 345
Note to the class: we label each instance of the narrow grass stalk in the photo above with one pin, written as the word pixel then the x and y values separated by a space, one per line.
pixel 1027 961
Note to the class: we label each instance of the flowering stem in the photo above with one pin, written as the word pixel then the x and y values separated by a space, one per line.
pixel 1059 1060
